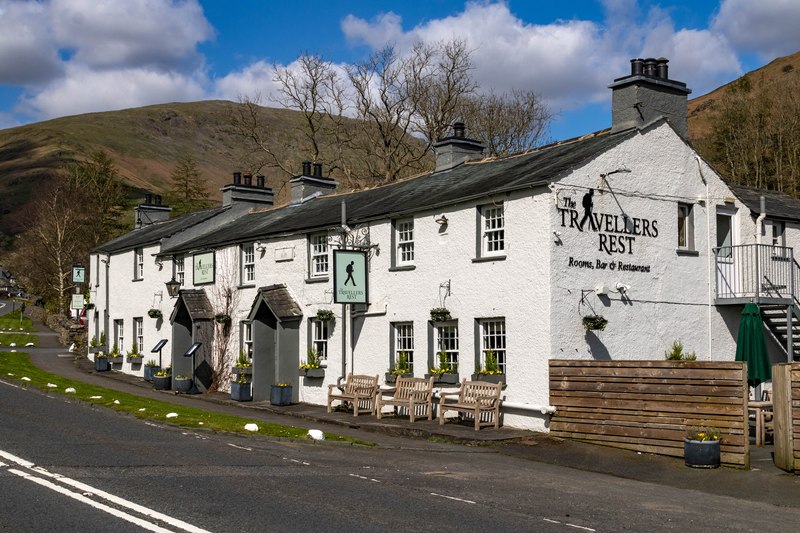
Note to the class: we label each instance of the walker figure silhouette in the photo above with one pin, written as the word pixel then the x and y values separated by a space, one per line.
pixel 349 270
pixel 587 210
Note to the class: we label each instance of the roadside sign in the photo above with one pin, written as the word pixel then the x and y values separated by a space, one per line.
pixel 77 301
pixel 350 277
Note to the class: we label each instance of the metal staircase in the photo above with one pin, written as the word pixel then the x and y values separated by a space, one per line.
pixel 778 319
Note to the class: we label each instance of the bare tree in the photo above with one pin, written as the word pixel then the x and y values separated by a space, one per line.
pixel 225 301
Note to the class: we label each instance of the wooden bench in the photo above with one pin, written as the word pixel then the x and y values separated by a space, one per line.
pixel 475 398
pixel 409 393
pixel 357 389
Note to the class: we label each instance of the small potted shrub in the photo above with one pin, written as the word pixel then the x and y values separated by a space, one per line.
pixel 101 362
pixel 162 379
pixel 114 356
pixel 154 313
pixel 134 357
pixel 440 314
pixel 325 315
pixel 94 345
pixel 280 394
pixel 676 353
pixel 150 368
pixel 491 369
pixel 183 383
pixel 701 447
pixel 311 367
pixel 241 389
pixel 445 373
pixel 401 368
pixel 594 322
pixel 242 366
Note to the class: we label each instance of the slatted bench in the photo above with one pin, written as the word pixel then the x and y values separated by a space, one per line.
pixel 474 398
pixel 357 389
pixel 409 393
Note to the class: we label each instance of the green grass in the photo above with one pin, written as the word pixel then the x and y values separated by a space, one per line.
pixel 15 366
pixel 19 339
pixel 11 322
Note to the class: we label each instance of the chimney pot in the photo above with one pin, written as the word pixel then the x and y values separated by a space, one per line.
pixel 650 67
pixel 663 69
pixel 260 182
pixel 147 199
pixel 306 168
pixel 637 66
pixel 317 170
pixel 458 130
pixel 158 199
pixel 248 179
pixel 237 178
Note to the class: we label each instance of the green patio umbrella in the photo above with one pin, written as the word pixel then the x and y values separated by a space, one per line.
pixel 751 346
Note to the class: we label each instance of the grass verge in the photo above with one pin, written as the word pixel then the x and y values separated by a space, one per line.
pixel 11 322
pixel 19 339
pixel 17 366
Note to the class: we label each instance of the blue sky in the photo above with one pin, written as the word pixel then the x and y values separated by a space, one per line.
pixel 65 57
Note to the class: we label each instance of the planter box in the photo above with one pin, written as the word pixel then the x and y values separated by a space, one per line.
pixel 183 384
pixel 701 454
pixel 95 349
pixel 149 371
pixel 491 378
pixel 101 364
pixel 237 370
pixel 135 360
pixel 115 359
pixel 312 373
pixel 280 395
pixel 162 382
pixel 241 392
pixel 391 377
pixel 448 378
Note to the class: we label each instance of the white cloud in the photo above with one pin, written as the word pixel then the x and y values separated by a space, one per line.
pixel 84 90
pixel 253 81
pixel 769 28
pixel 27 52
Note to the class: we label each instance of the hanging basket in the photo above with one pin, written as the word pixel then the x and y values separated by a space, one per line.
pixel 440 314
pixel 154 313
pixel 594 322
pixel 222 318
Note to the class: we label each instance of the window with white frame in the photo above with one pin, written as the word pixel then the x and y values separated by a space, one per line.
pixel 319 338
pixel 138 334
pixel 685 227
pixel 247 339
pixel 778 233
pixel 447 341
pixel 493 337
pixel 318 255
pixel 248 262
pixel 404 235
pixel 138 263
pixel 179 271
pixel 119 335
pixel 493 234
pixel 404 342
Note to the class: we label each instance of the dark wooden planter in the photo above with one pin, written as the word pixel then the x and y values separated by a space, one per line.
pixel 312 373
pixel 149 371
pixel 95 349
pixel 101 364
pixel 701 453
pixel 183 384
pixel 245 370
pixel 115 359
pixel 391 377
pixel 490 378
pixel 280 395
pixel 135 360
pixel 162 382
pixel 241 392
pixel 448 378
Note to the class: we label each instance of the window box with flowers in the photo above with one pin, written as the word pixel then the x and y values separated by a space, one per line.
pixel 280 394
pixel 114 356
pixel 134 357
pixel 311 368
pixel 701 447
pixel 242 366
pixel 241 389
pixel 401 369
pixel 445 373
pixel 490 372
pixel 155 313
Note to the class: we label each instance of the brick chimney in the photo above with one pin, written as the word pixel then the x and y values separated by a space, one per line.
pixel 456 149
pixel 308 184
pixel 151 211
pixel 646 95
pixel 243 193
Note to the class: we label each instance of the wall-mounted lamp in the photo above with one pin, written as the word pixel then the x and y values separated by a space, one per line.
pixel 622 288
pixel 173 287
pixel 441 219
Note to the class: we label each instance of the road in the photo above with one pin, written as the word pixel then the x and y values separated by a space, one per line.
pixel 105 471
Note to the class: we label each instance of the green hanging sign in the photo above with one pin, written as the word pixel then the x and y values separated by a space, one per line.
pixel 350 279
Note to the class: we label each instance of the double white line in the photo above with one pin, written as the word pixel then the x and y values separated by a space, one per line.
pixel 82 492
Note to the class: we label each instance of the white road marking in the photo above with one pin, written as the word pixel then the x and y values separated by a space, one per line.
pixel 452 498
pixel 84 488
pixel 364 478
pixel 579 527
pixel 240 447
pixel 551 521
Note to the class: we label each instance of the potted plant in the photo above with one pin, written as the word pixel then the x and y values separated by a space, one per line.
pixel 676 353
pixel 101 342
pixel 701 447
pixel 241 390
pixel 114 356
pixel 183 383
pixel 162 379
pixel 150 368
pixel 101 362
pixel 401 368
pixel 242 366
pixel 440 314
pixel 280 394
pixel 595 322
pixel 134 357
pixel 222 318
pixel 94 345
pixel 311 367
pixel 491 369
pixel 325 315
pixel 154 313
pixel 445 373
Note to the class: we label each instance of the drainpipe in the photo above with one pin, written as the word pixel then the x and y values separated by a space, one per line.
pixel 711 281
pixel 544 409
pixel 760 221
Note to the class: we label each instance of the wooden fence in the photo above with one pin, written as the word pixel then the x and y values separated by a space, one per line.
pixel 786 405
pixel 647 405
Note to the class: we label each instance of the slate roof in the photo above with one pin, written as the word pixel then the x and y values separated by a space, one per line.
pixel 428 191
pixel 197 304
pixel 777 204
pixel 280 301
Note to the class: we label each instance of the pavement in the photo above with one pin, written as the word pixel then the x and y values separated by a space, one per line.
pixel 762 482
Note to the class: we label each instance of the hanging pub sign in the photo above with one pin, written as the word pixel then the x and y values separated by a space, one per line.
pixel 203 268
pixel 350 280
pixel 78 273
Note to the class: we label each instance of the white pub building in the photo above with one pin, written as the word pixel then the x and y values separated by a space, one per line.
pixel 629 224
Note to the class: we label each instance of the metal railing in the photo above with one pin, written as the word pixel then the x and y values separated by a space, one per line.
pixel 758 272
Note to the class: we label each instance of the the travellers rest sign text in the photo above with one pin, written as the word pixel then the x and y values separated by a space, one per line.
pixel 616 233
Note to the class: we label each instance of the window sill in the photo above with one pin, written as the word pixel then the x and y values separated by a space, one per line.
pixel 134 280
pixel 317 280
pixel 246 286
pixel 687 252
pixel 489 258
pixel 403 268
